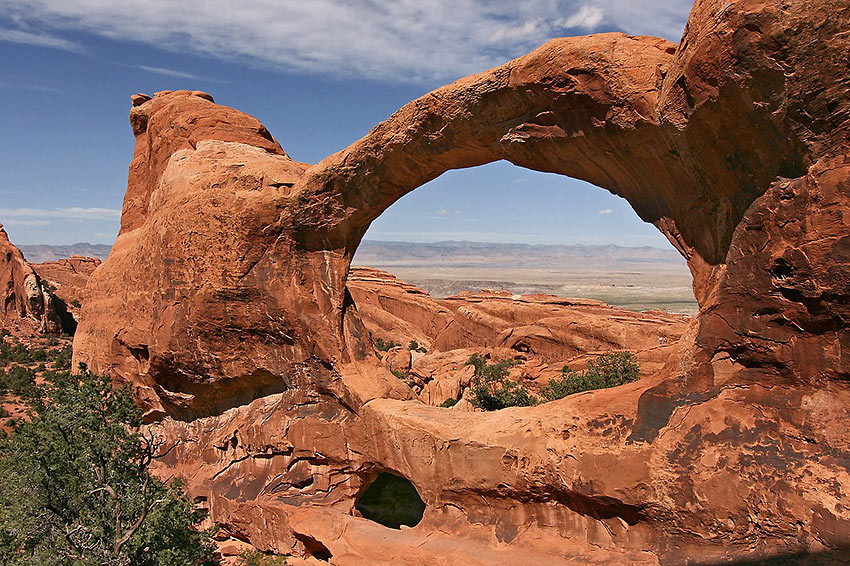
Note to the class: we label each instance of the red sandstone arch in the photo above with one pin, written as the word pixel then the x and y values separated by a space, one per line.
pixel 224 302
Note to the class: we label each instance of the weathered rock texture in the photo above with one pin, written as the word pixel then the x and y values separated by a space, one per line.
pixel 25 303
pixel 553 328
pixel 545 332
pixel 224 303
pixel 68 277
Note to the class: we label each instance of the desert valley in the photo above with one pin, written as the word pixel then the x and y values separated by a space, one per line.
pixel 297 394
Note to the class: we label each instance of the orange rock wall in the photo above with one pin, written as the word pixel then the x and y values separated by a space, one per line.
pixel 25 305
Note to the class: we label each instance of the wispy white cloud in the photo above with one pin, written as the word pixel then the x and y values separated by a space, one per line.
pixel 168 72
pixel 176 74
pixel 605 211
pixel 39 40
pixel 22 222
pixel 588 17
pixel 10 215
pixel 404 40
pixel 30 87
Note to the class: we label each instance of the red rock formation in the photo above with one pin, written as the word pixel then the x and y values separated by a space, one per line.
pixel 551 327
pixel 546 331
pixel 69 277
pixel 224 302
pixel 25 304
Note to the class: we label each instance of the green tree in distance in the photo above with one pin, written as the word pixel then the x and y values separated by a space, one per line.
pixel 491 388
pixel 608 370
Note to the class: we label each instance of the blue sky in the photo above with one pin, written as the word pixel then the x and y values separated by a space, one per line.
pixel 319 74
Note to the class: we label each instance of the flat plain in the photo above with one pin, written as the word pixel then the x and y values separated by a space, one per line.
pixel 633 278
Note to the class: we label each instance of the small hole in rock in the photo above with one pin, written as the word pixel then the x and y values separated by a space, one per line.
pixel 781 269
pixel 392 501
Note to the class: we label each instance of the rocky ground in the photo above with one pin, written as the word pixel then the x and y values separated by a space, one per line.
pixel 544 332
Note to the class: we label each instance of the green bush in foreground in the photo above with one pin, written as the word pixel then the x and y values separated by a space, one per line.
pixel 491 388
pixel 608 370
pixel 18 380
pixel 448 403
pixel 76 488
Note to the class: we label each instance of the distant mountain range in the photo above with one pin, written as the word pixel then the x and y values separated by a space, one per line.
pixel 40 252
pixel 456 253
pixel 474 254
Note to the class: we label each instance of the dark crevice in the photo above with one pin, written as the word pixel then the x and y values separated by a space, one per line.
pixel 67 322
pixel 781 269
pixel 314 548
pixel 683 84
pixel 392 501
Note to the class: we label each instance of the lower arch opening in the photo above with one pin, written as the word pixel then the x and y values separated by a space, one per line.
pixel 392 501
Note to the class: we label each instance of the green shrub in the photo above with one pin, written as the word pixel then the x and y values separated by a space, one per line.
pixel 415 347
pixel 19 353
pixel 4 414
pixel 76 487
pixel 608 370
pixel 400 374
pixel 18 380
pixel 491 388
pixel 4 332
pixel 257 558
pixel 382 346
pixel 62 359
pixel 449 403
pixel 76 303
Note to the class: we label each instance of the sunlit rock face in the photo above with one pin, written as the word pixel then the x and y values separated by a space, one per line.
pixel 25 305
pixel 224 304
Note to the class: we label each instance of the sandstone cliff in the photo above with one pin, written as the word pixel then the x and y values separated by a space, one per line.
pixel 26 305
pixel 224 303
pixel 68 279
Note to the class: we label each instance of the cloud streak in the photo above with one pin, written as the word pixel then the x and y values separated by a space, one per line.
pixel 405 40
pixel 176 74
pixel 168 72
pixel 30 87
pixel 74 213
pixel 21 222
pixel 39 40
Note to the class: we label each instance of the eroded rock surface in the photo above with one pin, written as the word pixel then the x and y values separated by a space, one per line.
pixel 553 328
pixel 68 278
pixel 545 332
pixel 26 305
pixel 224 303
